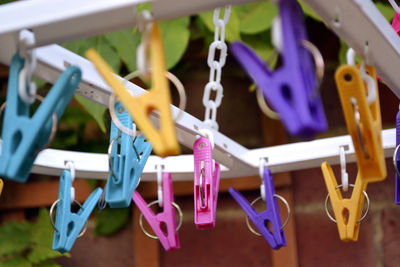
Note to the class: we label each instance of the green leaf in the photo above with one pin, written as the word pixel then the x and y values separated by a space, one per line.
pixel 42 231
pixel 14 237
pixel 386 10
pixel 232 31
pixel 108 221
pixel 41 253
pixel 125 43
pixel 175 34
pixel 101 45
pixel 309 11
pixel 94 109
pixel 16 262
pixel 49 263
pixel 256 17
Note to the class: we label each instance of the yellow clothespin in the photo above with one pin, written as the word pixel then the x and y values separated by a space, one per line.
pixel 347 211
pixel 363 119
pixel 1 186
pixel 158 98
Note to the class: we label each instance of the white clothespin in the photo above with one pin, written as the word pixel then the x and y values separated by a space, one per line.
pixel 261 173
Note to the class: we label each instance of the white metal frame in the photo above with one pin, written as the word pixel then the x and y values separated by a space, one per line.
pixel 57 21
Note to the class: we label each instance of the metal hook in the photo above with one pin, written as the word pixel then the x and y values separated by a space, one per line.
pixel 358 126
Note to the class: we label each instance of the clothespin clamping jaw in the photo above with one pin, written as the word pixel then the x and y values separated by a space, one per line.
pixel 206 183
pixel 23 135
pixel 396 159
pixel 158 98
pixel 170 238
pixel 68 226
pixel 363 117
pixel 292 89
pixel 127 158
pixel 270 216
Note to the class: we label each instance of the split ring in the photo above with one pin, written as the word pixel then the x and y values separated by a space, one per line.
pixel 151 204
pixel 395 160
pixel 359 220
pixel 283 225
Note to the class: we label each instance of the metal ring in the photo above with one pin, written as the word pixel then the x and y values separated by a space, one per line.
pixel 151 204
pixel 359 220
pixel 110 164
pixel 114 118
pixel 178 85
pixel 358 127
pixel 102 203
pixel 53 127
pixel 52 221
pixel 395 160
pixel 283 225
pixel 264 106
pixel 319 65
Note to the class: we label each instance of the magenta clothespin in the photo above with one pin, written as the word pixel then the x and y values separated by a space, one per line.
pixel 206 184
pixel 169 239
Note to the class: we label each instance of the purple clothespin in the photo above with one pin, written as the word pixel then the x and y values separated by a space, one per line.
pixel 271 215
pixel 169 239
pixel 206 184
pixel 292 88
pixel 396 159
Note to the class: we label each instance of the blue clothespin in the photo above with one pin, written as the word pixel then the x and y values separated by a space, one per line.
pixel 127 166
pixel 396 159
pixel 276 239
pixel 69 225
pixel 292 88
pixel 24 135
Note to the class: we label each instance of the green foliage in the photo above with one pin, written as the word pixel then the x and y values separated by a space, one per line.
pixel 95 110
pixel 256 17
pixel 386 10
pixel 26 244
pixel 109 221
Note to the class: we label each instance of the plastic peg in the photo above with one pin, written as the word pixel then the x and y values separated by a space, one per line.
pixel 169 239
pixel 158 98
pixel 69 225
pixel 291 89
pixel 271 214
pixel 206 184
pixel 127 159
pixel 23 134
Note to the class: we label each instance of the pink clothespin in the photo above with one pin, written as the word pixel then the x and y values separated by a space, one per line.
pixel 206 184
pixel 169 239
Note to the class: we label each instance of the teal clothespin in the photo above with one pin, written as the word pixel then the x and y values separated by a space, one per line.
pixel 127 160
pixel 24 135
pixel 69 225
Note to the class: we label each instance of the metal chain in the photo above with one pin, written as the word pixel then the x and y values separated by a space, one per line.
pixel 216 64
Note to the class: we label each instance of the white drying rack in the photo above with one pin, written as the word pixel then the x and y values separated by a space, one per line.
pixel 357 22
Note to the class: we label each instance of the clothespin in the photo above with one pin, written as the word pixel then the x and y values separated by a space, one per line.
pixel 292 89
pixel 271 215
pixel 347 211
pixel 1 186
pixel 396 159
pixel 158 98
pixel 127 160
pixel 24 135
pixel 169 239
pixel 68 225
pixel 206 183
pixel 363 117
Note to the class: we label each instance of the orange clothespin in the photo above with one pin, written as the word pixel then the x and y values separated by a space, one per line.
pixel 363 118
pixel 1 186
pixel 158 98
pixel 358 91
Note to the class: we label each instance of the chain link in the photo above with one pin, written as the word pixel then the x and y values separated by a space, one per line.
pixel 216 65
